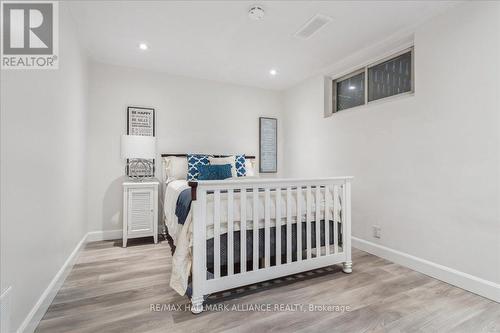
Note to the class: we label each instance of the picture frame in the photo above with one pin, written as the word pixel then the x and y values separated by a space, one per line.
pixel 141 121
pixel 268 145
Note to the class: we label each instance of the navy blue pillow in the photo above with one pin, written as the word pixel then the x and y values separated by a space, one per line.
pixel 214 172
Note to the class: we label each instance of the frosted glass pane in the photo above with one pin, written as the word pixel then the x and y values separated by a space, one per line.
pixel 390 78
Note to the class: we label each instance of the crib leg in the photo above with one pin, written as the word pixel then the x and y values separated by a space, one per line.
pixel 347 267
pixel 196 304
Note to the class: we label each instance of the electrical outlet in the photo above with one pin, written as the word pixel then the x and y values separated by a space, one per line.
pixel 377 231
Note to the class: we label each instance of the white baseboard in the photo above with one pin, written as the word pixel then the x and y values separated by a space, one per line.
pixel 95 236
pixel 477 285
pixel 37 312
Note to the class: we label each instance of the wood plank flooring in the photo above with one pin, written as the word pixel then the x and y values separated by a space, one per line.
pixel 111 289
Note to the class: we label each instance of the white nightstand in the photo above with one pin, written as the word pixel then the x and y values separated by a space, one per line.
pixel 140 210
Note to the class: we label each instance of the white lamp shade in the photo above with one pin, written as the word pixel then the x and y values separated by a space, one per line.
pixel 138 146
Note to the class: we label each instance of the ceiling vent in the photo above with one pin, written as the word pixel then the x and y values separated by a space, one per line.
pixel 312 26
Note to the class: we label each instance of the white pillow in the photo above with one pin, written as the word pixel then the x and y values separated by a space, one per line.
pixel 176 167
pixel 225 160
pixel 250 168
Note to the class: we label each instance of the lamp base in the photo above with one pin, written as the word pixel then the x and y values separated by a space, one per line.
pixel 140 169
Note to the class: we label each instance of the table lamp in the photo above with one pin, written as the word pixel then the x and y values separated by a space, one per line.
pixel 139 151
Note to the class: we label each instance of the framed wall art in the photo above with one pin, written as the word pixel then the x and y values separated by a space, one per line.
pixel 268 145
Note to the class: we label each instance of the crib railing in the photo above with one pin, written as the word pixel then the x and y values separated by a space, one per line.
pixel 282 201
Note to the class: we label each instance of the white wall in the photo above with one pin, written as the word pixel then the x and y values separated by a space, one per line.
pixel 426 167
pixel 43 187
pixel 192 116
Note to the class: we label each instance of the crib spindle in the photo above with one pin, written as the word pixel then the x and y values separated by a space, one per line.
pixel 318 220
pixel 308 222
pixel 267 225
pixel 327 220
pixel 346 225
pixel 278 227
pixel 334 218
pixel 216 234
pixel 343 220
pixel 243 231
pixel 255 228
pixel 299 223
pixel 230 225
pixel 199 252
pixel 289 224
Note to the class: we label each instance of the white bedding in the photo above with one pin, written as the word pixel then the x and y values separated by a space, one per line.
pixel 172 192
pixel 182 234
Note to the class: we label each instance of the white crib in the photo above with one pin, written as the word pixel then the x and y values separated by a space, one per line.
pixel 323 190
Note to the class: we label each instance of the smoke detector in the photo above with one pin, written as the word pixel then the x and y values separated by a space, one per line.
pixel 256 13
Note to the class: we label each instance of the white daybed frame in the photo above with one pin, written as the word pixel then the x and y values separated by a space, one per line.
pixel 203 286
pixel 249 190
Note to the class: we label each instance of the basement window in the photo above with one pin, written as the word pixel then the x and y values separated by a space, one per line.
pixel 390 77
pixel 386 78
pixel 350 91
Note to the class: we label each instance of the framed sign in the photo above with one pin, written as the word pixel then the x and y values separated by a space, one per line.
pixel 141 121
pixel 268 145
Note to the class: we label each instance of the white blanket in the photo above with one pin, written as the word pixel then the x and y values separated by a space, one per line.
pixel 174 189
pixel 182 234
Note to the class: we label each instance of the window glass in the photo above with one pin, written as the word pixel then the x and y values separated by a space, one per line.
pixel 350 92
pixel 390 78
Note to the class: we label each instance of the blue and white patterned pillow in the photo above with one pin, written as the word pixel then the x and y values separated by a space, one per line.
pixel 214 172
pixel 195 160
pixel 240 165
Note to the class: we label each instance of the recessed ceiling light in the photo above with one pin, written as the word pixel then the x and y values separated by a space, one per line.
pixel 143 46
pixel 352 87
pixel 273 72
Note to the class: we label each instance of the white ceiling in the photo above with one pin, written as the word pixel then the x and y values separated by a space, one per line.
pixel 216 40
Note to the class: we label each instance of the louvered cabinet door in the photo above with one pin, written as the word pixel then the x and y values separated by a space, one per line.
pixel 140 212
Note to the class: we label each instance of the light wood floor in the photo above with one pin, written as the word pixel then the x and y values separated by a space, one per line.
pixel 111 289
